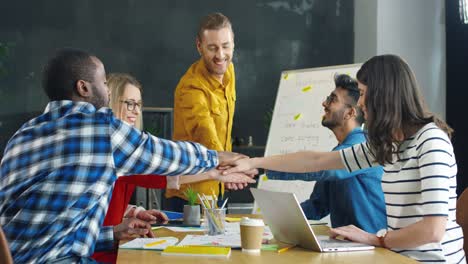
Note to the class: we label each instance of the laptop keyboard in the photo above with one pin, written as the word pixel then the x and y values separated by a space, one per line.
pixel 327 242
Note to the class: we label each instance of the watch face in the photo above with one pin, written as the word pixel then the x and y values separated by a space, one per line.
pixel 381 232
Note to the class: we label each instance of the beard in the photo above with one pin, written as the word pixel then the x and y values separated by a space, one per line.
pixel 334 120
pixel 213 68
pixel 99 100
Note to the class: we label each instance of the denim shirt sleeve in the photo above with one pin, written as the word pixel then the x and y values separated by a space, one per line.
pixel 316 207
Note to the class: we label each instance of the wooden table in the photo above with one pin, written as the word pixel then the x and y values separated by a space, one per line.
pixel 293 256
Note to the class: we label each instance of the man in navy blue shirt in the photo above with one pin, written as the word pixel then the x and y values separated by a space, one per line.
pixel 350 198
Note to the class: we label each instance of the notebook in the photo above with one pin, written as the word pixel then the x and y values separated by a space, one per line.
pixel 282 212
pixel 159 243
pixel 197 251
pixel 173 215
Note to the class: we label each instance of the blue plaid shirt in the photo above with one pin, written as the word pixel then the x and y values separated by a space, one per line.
pixel 58 172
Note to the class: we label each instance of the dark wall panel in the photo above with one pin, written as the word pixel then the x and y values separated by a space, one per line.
pixel 154 40
pixel 457 92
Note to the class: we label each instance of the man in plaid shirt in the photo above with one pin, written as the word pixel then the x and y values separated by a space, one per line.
pixel 58 170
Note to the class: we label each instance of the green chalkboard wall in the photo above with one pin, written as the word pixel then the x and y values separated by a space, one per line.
pixel 155 41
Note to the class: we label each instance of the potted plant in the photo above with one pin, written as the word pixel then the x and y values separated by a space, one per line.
pixel 191 210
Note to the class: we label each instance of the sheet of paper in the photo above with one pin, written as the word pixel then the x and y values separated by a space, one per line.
pixel 227 240
pixel 186 229
pixel 230 239
pixel 139 243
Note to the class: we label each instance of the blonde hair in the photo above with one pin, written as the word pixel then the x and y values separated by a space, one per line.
pixel 116 83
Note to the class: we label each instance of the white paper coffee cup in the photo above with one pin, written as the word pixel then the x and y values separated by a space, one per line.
pixel 251 234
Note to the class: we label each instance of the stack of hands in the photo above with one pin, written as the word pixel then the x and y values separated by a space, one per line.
pixel 235 180
pixel 232 177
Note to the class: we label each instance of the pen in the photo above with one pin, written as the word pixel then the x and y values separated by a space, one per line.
pixel 281 250
pixel 208 205
pixel 224 204
pixel 155 243
pixel 215 200
pixel 201 201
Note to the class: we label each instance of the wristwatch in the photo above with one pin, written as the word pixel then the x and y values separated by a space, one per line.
pixel 381 234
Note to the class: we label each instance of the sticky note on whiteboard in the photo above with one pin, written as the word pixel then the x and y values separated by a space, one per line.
pixel 288 76
pixel 307 88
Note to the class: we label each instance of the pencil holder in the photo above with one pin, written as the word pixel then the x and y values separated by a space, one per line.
pixel 215 220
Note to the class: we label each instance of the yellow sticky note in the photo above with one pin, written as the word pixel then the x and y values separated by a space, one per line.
pixel 233 219
pixel 307 88
pixel 297 117
pixel 286 76
pixel 264 178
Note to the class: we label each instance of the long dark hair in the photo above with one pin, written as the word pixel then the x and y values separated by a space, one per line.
pixel 394 103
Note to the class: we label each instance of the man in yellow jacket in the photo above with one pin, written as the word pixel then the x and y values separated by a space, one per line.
pixel 204 99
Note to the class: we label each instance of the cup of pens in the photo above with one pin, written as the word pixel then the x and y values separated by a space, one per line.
pixel 215 219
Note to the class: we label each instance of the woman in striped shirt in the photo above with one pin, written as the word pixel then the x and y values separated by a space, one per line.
pixel 413 145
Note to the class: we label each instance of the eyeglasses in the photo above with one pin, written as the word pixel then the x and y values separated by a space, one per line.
pixel 333 99
pixel 330 99
pixel 132 104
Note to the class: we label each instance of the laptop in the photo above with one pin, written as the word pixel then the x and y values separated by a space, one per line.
pixel 282 212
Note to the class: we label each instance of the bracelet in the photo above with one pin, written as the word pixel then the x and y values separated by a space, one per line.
pixel 382 240
pixel 137 210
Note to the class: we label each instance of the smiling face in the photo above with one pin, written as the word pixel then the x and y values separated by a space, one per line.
pixel 362 98
pixel 130 104
pixel 216 48
pixel 335 107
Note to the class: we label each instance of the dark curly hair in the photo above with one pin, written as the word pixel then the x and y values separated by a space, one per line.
pixel 345 82
pixel 64 69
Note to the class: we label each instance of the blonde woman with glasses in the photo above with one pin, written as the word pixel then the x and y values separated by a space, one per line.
pixel 126 103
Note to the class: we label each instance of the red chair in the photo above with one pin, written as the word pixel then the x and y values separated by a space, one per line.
pixel 123 191
pixel 121 195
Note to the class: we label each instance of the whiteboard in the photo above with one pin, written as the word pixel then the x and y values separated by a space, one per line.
pixel 296 123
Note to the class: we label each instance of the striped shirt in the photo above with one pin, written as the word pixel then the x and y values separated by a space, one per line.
pixel 421 181
pixel 58 172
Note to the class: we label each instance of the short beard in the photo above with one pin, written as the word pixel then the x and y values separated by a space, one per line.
pixel 330 124
pixel 212 71
pixel 99 101
pixel 333 122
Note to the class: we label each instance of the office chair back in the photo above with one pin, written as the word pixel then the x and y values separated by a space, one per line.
pixel 462 216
